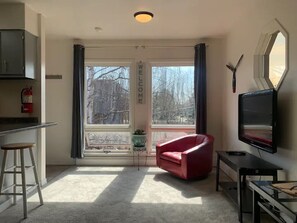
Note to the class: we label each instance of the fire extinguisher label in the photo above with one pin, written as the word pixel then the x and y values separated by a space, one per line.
pixel 27 99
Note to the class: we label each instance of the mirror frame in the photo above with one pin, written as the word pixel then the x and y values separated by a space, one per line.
pixel 261 71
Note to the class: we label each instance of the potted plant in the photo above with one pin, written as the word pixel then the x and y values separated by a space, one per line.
pixel 139 138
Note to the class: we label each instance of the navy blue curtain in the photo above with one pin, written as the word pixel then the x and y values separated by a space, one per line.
pixel 78 102
pixel 200 87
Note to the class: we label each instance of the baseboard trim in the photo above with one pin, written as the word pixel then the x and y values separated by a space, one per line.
pixel 117 161
pixel 43 182
pixel 6 204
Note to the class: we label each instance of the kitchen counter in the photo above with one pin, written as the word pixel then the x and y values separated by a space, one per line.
pixel 13 125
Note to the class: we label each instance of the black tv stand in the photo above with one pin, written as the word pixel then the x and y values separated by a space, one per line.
pixel 244 165
pixel 235 153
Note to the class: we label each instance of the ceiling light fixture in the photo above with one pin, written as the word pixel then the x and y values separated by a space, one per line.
pixel 143 16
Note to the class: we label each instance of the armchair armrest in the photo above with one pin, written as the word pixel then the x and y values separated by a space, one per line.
pixel 198 158
pixel 204 148
pixel 180 144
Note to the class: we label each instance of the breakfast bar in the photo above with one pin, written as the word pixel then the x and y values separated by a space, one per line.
pixel 24 129
pixel 9 128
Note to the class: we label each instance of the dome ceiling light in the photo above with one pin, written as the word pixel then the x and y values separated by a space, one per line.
pixel 143 16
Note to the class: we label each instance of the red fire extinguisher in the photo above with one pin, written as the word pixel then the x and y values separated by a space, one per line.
pixel 27 101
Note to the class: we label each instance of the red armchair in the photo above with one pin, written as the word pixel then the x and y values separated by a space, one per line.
pixel 187 157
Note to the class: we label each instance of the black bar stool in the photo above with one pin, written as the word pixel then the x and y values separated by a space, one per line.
pixel 15 170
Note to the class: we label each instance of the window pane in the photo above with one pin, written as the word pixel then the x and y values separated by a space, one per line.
pixel 173 95
pixel 159 137
pixel 277 59
pixel 107 141
pixel 107 96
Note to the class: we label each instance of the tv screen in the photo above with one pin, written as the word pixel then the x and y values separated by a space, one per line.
pixel 257 119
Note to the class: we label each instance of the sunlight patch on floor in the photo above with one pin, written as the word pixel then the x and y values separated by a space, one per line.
pixel 166 194
pixel 72 187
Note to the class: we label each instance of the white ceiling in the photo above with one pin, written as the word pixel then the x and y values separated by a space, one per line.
pixel 173 19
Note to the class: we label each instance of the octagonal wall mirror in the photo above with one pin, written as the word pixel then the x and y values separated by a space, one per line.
pixel 271 56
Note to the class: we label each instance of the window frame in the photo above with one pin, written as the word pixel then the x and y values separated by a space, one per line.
pixel 158 127
pixel 110 127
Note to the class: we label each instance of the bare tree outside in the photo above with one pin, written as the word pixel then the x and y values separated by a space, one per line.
pixel 173 95
pixel 107 95
pixel 172 102
pixel 107 103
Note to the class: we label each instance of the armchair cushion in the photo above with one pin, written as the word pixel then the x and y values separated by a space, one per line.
pixel 187 157
pixel 174 157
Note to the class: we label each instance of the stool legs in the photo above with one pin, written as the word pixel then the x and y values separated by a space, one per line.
pixel 14 171
pixel 14 175
pixel 36 177
pixel 2 170
pixel 24 189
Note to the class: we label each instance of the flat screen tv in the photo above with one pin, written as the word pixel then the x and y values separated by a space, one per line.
pixel 257 119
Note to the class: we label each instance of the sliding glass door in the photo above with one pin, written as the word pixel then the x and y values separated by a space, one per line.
pixel 172 101
pixel 107 108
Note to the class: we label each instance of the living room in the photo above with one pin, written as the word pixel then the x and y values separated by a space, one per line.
pixel 228 28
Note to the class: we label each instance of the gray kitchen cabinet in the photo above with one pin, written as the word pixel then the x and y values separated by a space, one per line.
pixel 18 54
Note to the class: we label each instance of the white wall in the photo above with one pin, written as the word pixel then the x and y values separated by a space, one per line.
pixel 215 76
pixel 243 39
pixel 12 16
pixel 59 60
pixel 59 92
pixel 18 16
